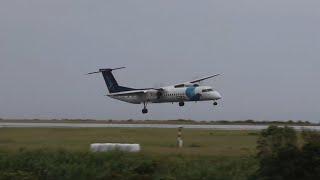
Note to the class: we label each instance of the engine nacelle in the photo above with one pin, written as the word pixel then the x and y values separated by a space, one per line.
pixel 160 93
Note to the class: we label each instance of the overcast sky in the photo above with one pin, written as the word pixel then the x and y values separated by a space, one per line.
pixel 267 51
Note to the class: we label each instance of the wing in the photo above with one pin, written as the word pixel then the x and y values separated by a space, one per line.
pixel 196 80
pixel 204 78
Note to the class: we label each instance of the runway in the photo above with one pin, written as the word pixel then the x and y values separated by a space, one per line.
pixel 92 125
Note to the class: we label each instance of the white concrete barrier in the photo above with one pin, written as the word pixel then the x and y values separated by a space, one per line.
pixel 105 147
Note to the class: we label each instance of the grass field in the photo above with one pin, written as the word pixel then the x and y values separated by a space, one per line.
pixel 53 153
pixel 153 141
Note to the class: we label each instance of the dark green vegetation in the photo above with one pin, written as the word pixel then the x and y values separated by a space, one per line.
pixel 207 154
pixel 281 157
pixel 115 165
pixel 275 153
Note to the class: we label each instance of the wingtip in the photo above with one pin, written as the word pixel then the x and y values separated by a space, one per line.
pixel 118 68
pixel 92 73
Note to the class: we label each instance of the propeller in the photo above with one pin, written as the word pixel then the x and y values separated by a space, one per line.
pixel 159 93
pixel 158 85
pixel 160 90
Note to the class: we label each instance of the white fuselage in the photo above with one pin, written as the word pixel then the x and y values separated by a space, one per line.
pixel 170 94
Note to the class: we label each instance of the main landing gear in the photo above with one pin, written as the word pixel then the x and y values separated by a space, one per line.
pixel 215 103
pixel 181 104
pixel 144 110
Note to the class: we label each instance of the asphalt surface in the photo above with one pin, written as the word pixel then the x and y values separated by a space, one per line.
pixel 92 125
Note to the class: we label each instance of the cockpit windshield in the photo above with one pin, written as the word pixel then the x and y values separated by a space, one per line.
pixel 207 90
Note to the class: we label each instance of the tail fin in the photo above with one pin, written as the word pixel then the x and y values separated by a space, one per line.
pixel 111 82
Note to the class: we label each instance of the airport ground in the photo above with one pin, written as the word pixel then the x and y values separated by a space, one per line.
pixel 63 153
pixel 197 142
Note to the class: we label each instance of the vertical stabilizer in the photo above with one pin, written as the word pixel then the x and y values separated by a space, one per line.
pixel 111 82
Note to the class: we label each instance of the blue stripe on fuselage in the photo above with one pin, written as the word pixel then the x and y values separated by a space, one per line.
pixel 191 94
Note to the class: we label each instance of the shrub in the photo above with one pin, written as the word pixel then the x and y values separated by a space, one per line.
pixel 275 138
pixel 310 136
pixel 64 165
pixel 17 175
pixel 281 158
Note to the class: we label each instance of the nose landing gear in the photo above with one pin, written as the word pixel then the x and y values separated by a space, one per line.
pixel 215 103
pixel 144 111
pixel 181 104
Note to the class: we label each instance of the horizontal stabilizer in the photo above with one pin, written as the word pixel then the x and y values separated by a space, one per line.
pixel 105 70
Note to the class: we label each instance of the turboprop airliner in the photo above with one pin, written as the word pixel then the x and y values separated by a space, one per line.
pixel 179 93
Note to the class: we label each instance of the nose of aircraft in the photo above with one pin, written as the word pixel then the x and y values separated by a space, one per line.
pixel 216 95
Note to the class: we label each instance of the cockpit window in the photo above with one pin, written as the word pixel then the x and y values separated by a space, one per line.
pixel 207 90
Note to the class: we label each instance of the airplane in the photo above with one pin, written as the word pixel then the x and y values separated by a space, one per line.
pixel 180 93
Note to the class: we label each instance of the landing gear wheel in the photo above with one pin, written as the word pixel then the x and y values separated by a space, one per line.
pixel 144 111
pixel 215 103
pixel 181 104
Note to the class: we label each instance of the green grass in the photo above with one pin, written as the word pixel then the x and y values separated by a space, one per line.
pixel 35 153
pixel 66 165
pixel 49 153
pixel 153 141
